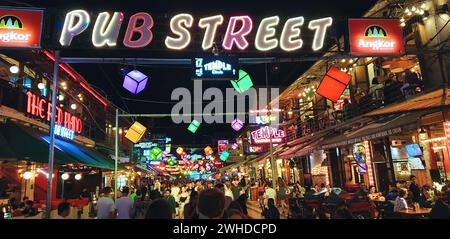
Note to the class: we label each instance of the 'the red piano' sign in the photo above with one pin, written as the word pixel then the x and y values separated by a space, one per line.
pixel 39 107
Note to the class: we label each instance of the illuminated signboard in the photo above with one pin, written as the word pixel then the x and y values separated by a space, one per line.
pixel 263 135
pixel 235 32
pixel 64 132
pixel 39 107
pixel 215 68
pixel 375 36
pixel 221 146
pixel 265 119
pixel 20 28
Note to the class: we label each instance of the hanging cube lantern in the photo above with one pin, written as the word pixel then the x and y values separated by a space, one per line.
pixel 234 146
pixel 179 150
pixel 164 154
pixel 224 156
pixel 184 154
pixel 208 150
pixel 194 126
pixel 135 132
pixel 135 81
pixel 237 124
pixel 155 153
pixel 243 83
pixel 333 84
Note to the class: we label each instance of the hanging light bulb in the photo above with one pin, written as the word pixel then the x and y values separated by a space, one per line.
pixel 73 106
pixel 60 97
pixel 409 13
pixel 27 175
pixel 343 60
pixel 423 6
pixel 402 24
pixel 402 19
pixel 406 10
pixel 14 69
pixel 78 176
pixel 351 61
pixel 421 12
pixel 413 9
pixel 65 176
pixel 41 86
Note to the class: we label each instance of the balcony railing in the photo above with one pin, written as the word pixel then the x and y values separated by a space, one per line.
pixel 370 102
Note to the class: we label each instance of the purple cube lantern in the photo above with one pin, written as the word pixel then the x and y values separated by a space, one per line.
pixel 135 81
pixel 237 124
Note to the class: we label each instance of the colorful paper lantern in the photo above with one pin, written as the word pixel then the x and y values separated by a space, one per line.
pixel 234 146
pixel 224 156
pixel 208 150
pixel 135 81
pixel 237 124
pixel 243 83
pixel 135 132
pixel 333 84
pixel 155 153
pixel 194 126
pixel 179 150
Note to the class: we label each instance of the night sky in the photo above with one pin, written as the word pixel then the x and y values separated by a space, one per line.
pixel 163 79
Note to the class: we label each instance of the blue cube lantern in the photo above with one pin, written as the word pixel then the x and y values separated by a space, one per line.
pixel 135 81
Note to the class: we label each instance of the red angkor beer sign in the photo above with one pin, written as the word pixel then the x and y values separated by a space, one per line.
pixel 39 107
pixel 369 36
pixel 20 27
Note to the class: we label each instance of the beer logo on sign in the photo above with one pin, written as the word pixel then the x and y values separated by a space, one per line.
pixel 10 22
pixel 375 31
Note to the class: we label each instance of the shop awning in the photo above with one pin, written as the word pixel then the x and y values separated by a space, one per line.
pixel 378 128
pixel 31 144
pixel 6 154
pixel 301 149
pixel 81 154
pixel 438 99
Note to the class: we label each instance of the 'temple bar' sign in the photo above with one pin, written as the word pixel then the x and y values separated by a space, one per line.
pixel 264 134
pixel 215 68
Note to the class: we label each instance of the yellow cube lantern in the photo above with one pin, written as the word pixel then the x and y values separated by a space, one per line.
pixel 208 150
pixel 135 132
pixel 179 150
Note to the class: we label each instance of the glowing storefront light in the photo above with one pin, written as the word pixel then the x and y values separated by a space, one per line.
pixel 369 163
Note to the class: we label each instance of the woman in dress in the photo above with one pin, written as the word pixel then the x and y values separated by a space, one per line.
pixel 183 198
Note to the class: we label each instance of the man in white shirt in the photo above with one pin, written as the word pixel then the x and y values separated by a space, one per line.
pixel 157 186
pixel 175 191
pixel 400 202
pixel 105 205
pixel 63 210
pixel 124 205
pixel 270 193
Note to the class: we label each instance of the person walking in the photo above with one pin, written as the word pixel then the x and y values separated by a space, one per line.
pixel 105 205
pixel 124 205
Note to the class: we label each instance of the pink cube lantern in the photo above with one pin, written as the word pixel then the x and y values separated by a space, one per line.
pixel 234 146
pixel 237 124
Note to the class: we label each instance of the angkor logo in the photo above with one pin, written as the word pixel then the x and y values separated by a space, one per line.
pixel 10 22
pixel 375 31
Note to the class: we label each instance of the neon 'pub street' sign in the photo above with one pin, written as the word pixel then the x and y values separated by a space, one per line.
pixel 139 31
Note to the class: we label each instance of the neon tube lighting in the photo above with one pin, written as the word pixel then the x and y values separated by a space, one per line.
pixel 95 95
pixel 71 74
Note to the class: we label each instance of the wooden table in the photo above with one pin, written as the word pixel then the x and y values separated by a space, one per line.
pixel 415 213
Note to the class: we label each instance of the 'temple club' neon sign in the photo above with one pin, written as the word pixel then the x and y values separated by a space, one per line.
pixel 139 32
pixel 264 134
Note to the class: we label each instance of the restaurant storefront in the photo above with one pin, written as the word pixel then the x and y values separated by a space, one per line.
pixel 82 120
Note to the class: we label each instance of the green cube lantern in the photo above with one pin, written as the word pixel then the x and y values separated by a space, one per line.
pixel 224 156
pixel 243 83
pixel 155 153
pixel 194 126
